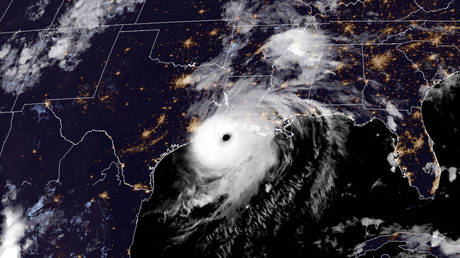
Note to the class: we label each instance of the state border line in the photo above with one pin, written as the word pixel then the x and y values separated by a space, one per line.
pixel 48 100
pixel 230 76
pixel 140 12
pixel 25 79
pixel 6 10
pixel 114 25
pixel 93 96
pixel 227 20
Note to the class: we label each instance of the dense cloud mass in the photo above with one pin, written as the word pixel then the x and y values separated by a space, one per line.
pixel 252 158
pixel 263 163
pixel 273 140
pixel 13 227
pixel 227 209
pixel 23 57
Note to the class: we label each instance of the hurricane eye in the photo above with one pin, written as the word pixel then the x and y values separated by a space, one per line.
pixel 226 137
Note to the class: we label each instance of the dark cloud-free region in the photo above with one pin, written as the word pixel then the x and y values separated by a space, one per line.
pixel 238 128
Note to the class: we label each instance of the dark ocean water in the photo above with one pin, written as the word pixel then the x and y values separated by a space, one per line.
pixel 366 190
pixel 81 216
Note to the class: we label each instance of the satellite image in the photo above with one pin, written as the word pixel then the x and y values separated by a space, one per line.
pixel 229 128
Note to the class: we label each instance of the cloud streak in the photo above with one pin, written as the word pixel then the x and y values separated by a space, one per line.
pixel 24 55
pixel 14 226
pixel 13 231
